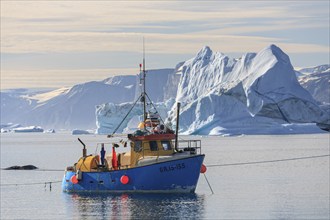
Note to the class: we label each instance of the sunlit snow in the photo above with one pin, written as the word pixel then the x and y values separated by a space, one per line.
pixel 257 93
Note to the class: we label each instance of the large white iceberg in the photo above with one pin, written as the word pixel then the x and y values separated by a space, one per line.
pixel 255 94
pixel 252 94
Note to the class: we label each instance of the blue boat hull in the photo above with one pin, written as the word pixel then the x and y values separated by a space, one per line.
pixel 180 175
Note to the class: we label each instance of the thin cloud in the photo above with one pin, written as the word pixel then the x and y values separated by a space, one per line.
pixel 171 28
pixel 69 26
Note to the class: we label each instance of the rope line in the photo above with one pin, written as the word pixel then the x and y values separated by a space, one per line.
pixel 210 165
pixel 26 184
pixel 208 183
pixel 56 170
pixel 125 116
pixel 220 165
pixel 267 161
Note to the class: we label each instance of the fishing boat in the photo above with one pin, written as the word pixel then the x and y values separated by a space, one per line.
pixel 154 160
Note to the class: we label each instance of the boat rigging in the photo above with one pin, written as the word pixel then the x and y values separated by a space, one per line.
pixel 154 160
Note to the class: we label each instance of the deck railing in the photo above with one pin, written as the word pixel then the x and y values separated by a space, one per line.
pixel 194 146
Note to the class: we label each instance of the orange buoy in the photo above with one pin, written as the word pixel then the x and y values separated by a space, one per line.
pixel 203 168
pixel 74 179
pixel 124 179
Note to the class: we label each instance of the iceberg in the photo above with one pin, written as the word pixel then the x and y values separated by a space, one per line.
pixel 77 132
pixel 50 131
pixel 110 116
pixel 246 95
pixel 28 129
pixel 250 94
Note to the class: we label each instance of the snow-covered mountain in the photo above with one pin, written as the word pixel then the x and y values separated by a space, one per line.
pixel 70 108
pixel 67 108
pixel 14 103
pixel 257 93
pixel 316 69
pixel 316 81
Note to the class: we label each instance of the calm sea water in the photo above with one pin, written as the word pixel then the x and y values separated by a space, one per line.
pixel 294 189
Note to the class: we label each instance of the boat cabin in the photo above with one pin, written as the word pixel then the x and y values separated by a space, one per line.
pixel 144 150
pixel 153 142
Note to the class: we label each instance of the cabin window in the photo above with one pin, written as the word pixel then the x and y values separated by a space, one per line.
pixel 137 146
pixel 153 145
pixel 166 145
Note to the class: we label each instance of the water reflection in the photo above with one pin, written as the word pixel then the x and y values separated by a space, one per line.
pixel 135 206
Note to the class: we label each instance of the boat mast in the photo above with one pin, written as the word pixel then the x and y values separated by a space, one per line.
pixel 144 86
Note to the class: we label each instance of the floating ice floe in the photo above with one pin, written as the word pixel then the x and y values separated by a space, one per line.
pixel 50 131
pixel 76 132
pixel 28 129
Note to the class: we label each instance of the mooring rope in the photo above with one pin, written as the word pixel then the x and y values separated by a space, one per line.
pixel 26 184
pixel 267 161
pixel 260 162
pixel 210 165
pixel 208 183
pixel 40 170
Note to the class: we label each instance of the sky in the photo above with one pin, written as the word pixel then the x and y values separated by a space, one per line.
pixel 54 44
